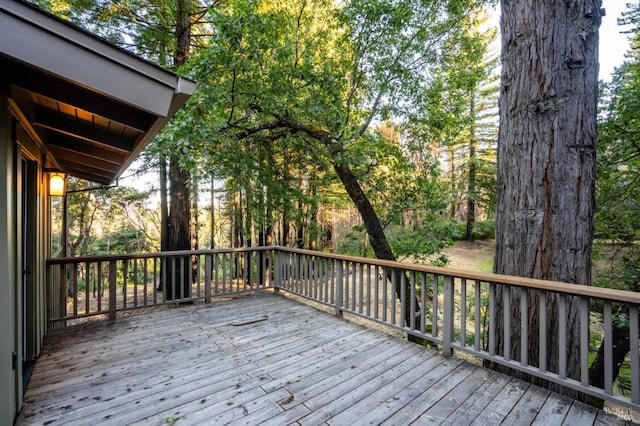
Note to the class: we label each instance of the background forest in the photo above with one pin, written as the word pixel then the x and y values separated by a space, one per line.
pixel 307 111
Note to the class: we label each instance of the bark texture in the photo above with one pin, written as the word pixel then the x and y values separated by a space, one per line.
pixel 177 229
pixel 546 156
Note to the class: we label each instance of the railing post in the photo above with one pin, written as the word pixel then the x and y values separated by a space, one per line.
pixel 207 278
pixel 112 290
pixel 339 289
pixel 278 270
pixel 447 320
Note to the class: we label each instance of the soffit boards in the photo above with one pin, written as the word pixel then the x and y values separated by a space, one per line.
pixel 92 106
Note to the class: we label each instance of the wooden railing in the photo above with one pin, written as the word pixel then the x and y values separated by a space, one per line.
pixel 467 312
pixel 458 311
pixel 94 286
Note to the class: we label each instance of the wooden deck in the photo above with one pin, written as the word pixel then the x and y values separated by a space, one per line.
pixel 265 359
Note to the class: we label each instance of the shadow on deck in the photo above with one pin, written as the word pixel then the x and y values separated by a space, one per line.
pixel 266 359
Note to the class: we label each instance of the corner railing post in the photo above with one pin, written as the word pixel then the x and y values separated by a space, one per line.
pixel 112 289
pixel 447 320
pixel 207 277
pixel 339 289
pixel 278 270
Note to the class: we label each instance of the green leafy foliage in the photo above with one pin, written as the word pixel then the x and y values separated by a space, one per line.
pixel 618 182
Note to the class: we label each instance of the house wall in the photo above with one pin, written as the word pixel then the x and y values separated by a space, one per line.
pixel 10 392
pixel 23 206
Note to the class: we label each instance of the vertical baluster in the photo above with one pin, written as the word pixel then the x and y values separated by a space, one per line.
pixel 125 282
pixel 99 286
pixel 447 317
pixel 403 297
pixel 300 274
pixel 87 288
pixel 113 271
pixel 478 315
pixel 360 286
pixel 354 284
pixel 224 271
pixel 329 277
pixel 339 288
pixel 155 280
pixel 315 273
pixel 183 268
pixel 608 348
pixel 247 270
pixel 172 278
pixel 562 336
pixel 314 278
pixel 135 282
pixel 208 263
pixel 319 277
pixel 74 283
pixel 145 268
pixel 297 272
pixel 368 298
pixel 163 279
pixel 376 292
pixel 524 326
pixel 394 285
pixel 584 341
pixel 463 312
pixel 412 295
pixel 334 281
pixel 634 343
pixel 506 320
pixel 309 269
pixel 323 283
pixel 542 329
pixel 423 303
pixel 492 319
pixel 196 259
pixel 277 259
pixel 385 291
pixel 434 307
pixel 216 273
pixel 62 291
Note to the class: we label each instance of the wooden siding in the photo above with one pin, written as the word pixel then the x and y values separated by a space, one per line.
pixel 265 359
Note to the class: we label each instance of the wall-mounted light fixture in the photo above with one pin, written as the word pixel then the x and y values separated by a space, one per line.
pixel 57 184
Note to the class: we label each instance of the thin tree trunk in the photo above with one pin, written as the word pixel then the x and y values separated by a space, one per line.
pixel 377 237
pixel 471 184
pixel 213 214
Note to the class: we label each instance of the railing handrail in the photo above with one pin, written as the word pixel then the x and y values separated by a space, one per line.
pixel 149 255
pixel 570 289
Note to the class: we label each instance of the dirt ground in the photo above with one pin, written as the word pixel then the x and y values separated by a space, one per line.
pixel 474 256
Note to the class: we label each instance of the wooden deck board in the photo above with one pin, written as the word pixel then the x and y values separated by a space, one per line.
pixel 265 359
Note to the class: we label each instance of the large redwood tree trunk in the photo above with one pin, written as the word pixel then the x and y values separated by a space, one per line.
pixel 177 228
pixel 546 156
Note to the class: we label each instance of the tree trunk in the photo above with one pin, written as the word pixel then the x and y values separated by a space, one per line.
pixel 452 177
pixel 179 235
pixel 471 184
pixel 212 243
pixel 286 230
pixel 164 212
pixel 621 347
pixel 178 225
pixel 546 159
pixel 313 220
